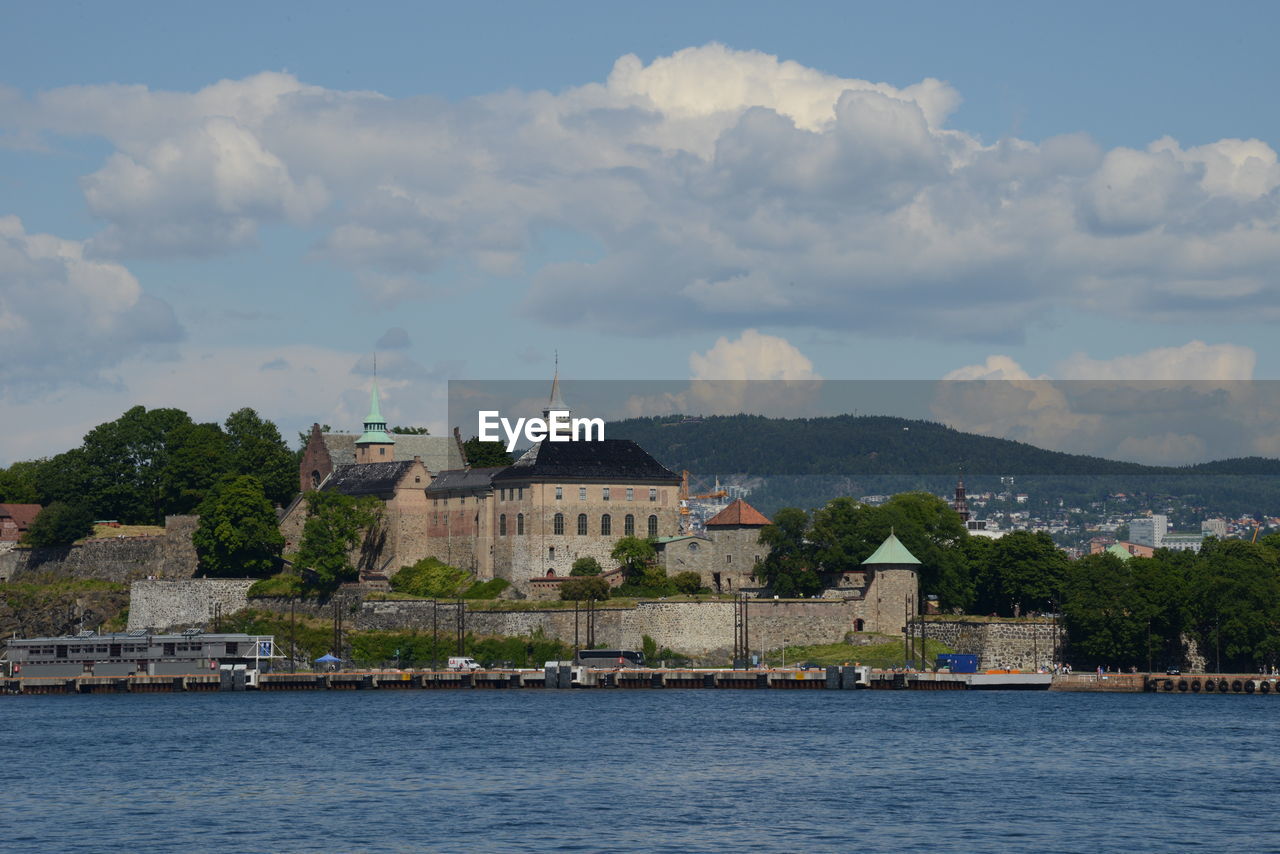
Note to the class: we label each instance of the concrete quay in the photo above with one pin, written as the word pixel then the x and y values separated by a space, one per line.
pixel 1161 683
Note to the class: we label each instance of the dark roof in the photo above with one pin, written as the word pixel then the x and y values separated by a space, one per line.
pixel 614 460
pixel 438 452
pixel 367 478
pixel 738 513
pixel 463 479
pixel 22 514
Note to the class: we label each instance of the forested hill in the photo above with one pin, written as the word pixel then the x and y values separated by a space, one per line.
pixel 871 445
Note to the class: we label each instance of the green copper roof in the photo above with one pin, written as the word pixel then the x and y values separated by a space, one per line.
pixel 375 429
pixel 1119 551
pixel 891 551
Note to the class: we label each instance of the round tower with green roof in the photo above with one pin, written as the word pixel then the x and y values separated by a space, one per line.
pixel 893 587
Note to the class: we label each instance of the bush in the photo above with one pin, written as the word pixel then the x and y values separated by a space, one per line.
pixel 586 566
pixel 584 587
pixel 687 582
pixel 59 524
pixel 490 589
pixel 282 586
pixel 432 578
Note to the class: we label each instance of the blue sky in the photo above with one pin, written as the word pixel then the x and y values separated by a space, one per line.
pixel 1084 192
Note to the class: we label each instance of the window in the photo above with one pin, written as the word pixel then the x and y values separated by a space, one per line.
pixel 557 524
pixel 559 493
pixel 606 525
pixel 605 493
pixel 653 527
pixel 382 452
pixel 551 555
pixel 315 480
pixel 502 525
pixel 631 493
pixel 520 525
pixel 757 560
pixel 728 558
pixel 653 494
pixel 629 526
pixel 582 493
pixel 582 524
pixel 693 547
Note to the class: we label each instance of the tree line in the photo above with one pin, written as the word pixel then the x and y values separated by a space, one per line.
pixel 1140 612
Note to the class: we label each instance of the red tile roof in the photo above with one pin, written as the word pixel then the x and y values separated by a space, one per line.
pixel 738 513
pixel 21 514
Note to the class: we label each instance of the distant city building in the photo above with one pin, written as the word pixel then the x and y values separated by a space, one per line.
pixel 1214 528
pixel 1183 542
pixel 1149 530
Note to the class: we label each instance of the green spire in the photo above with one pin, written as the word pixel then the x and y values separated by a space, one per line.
pixel 375 429
pixel 891 551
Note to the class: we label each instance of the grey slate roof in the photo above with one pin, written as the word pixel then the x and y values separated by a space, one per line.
pixel 463 479
pixel 438 453
pixel 612 460
pixel 367 478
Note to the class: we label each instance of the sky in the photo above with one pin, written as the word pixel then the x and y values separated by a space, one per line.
pixel 216 206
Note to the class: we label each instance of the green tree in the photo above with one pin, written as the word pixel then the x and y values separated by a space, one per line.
pixel 123 460
pixel 337 526
pixel 195 460
pixel 485 454
pixel 1024 573
pixel 59 524
pixel 632 555
pixel 238 534
pixel 255 447
pixel 1234 596
pixel 410 431
pixel 431 577
pixel 18 483
pixel 790 567
pixel 583 588
pixel 586 566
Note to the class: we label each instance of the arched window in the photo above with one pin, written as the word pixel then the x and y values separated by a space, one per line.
pixel 520 525
pixel 629 526
pixel 557 525
pixel 858 625
pixel 502 525
pixel 653 527
pixel 315 480
pixel 582 524
pixel 606 525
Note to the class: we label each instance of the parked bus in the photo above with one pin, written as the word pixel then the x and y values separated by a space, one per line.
pixel 610 658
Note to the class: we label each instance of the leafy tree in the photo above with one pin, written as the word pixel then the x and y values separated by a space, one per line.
pixel 586 566
pixel 1024 573
pixel 431 577
pixel 195 460
pixel 789 568
pixel 238 534
pixel 59 524
pixel 633 555
pixel 1235 604
pixel 123 460
pixel 410 431
pixel 583 588
pixel 337 525
pixel 18 483
pixel 65 478
pixel 255 447
pixel 485 454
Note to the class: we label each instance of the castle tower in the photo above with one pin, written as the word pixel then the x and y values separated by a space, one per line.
pixel 893 591
pixel 555 403
pixel 375 444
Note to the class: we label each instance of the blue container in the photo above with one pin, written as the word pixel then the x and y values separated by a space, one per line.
pixel 959 663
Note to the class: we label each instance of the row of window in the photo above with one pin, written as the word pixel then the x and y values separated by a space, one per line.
pixel 606 493
pixel 606 525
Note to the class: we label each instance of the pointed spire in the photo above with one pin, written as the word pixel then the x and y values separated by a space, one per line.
pixel 555 403
pixel 375 428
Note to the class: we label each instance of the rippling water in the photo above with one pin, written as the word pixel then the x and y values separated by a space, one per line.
pixel 638 771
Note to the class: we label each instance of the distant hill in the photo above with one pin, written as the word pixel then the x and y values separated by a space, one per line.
pixel 852 455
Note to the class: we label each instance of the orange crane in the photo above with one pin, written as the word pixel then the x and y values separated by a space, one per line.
pixel 718 492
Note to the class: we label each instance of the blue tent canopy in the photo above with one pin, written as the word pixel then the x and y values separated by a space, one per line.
pixel 327 658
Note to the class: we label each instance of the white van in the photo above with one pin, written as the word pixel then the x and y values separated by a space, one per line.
pixel 463 663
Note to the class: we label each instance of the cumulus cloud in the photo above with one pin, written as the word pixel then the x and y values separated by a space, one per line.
pixel 1165 406
pixel 67 318
pixel 719 188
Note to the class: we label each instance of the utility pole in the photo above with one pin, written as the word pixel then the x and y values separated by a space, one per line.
pixel 435 634
pixel 460 612
pixel 576 645
pixel 293 634
pixel 907 657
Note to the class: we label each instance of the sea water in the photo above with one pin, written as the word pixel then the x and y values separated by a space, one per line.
pixel 678 771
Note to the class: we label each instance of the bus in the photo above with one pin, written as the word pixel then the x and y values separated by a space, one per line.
pixel 609 658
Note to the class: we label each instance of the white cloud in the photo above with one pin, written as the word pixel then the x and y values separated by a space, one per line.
pixel 722 188
pixel 1194 361
pixel 64 317
pixel 752 356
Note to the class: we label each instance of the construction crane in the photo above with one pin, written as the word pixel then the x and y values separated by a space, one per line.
pixel 686 522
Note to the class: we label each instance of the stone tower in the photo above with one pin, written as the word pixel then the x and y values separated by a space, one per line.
pixel 375 444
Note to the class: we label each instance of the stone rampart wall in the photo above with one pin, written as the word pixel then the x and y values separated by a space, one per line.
pixel 1001 644
pixel 122 559
pixel 165 604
